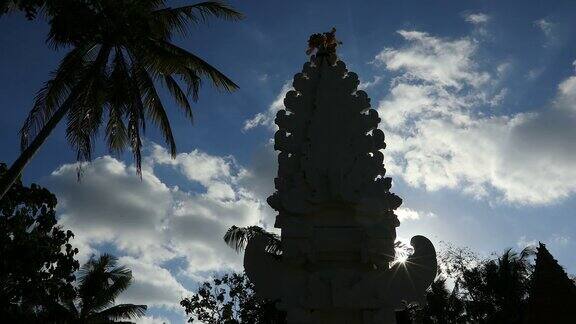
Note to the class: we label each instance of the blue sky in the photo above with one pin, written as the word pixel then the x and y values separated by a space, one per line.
pixel 477 98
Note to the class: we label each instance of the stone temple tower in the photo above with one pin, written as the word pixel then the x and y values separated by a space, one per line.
pixel 335 209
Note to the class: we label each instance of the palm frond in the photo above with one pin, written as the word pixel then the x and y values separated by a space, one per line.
pixel 29 7
pixel 205 10
pixel 121 278
pixel 179 95
pixel 85 118
pixel 83 123
pixel 135 122
pixel 154 106
pixel 122 311
pixel 166 58
pixel 193 81
pixel 180 18
pixel 238 237
pixel 7 6
pixel 115 280
pixel 116 132
pixel 118 280
pixel 100 282
pixel 54 92
pixel 94 268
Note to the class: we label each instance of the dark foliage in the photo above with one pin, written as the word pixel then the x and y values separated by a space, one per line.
pixel 36 259
pixel 442 305
pixel 29 7
pixel 494 290
pixel 230 299
pixel 37 267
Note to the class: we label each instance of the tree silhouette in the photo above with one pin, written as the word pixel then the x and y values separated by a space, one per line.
pixel 484 290
pixel 36 259
pixel 120 51
pixel 100 282
pixel 230 299
pixel 442 305
pixel 499 288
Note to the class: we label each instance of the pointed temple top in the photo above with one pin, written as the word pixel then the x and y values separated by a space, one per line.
pixel 329 141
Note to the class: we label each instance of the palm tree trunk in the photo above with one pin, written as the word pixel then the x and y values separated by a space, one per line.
pixel 26 156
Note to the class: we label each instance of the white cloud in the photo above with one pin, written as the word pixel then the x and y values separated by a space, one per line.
pixel 112 204
pixel 407 214
pixel 533 74
pixel 556 240
pixel 152 320
pixel 439 135
pixel 150 223
pixel 404 213
pixel 267 118
pixel 216 174
pixel 561 240
pixel 152 285
pixel 477 18
pixel 524 243
pixel 504 68
pixel 444 62
pixel 548 29
pixel 480 23
pixel 263 77
pixel 369 84
pixel 567 95
pixel 545 26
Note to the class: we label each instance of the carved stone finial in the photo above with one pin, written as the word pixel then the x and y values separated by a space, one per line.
pixel 324 45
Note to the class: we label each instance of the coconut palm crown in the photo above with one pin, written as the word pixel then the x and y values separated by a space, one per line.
pixel 101 280
pixel 120 51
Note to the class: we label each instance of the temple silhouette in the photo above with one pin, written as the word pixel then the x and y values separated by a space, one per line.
pixel 335 208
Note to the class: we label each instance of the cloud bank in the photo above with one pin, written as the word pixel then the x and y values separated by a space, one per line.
pixel 441 134
pixel 151 224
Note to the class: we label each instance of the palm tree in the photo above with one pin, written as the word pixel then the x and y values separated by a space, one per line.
pixel 120 51
pixel 100 282
pixel 237 238
pixel 496 291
